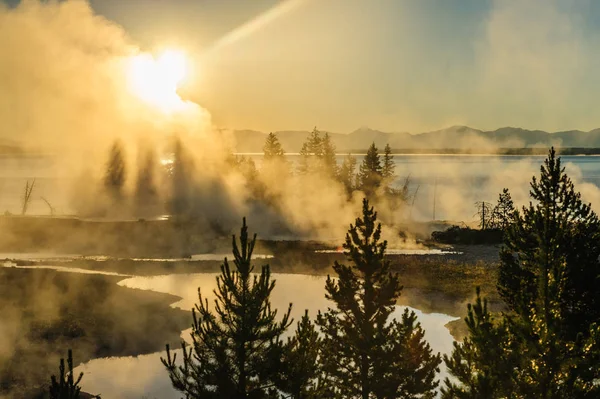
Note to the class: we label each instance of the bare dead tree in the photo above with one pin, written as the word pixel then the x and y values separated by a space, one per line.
pixel 414 197
pixel 484 213
pixel 27 196
pixel 52 209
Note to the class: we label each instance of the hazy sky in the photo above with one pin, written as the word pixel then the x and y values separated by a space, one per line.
pixel 394 65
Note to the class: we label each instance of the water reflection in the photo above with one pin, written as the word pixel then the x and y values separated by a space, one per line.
pixel 64 269
pixel 418 251
pixel 144 376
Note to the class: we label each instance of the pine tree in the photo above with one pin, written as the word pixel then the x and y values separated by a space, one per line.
pixel 546 345
pixel 146 195
pixel 114 178
pixel 346 175
pixel 299 371
pixel 254 185
pixel 365 354
pixel 181 186
pixel 236 348
pixel 503 211
pixel 272 148
pixel 65 386
pixel 370 172
pixel 548 277
pixel 311 153
pixel 388 167
pixel 328 161
pixel 484 362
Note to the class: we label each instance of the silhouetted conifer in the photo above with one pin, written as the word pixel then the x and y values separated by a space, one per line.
pixel 181 185
pixel 235 347
pixel 65 386
pixel 484 362
pixel 247 168
pixel 549 274
pixel 370 172
pixel 388 167
pixel 298 370
pixel 146 195
pixel 272 148
pixel 346 175
pixel 114 178
pixel 504 210
pixel 548 278
pixel 328 161
pixel 366 354
pixel 310 153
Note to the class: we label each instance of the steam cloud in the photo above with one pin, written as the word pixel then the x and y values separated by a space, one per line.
pixel 63 75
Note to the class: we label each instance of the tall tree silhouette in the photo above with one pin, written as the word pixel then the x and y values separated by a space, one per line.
pixel 484 212
pixel 370 172
pixel 483 364
pixel 328 161
pixel 388 168
pixel 116 173
pixel 236 347
pixel 298 371
pixel 549 273
pixel 247 168
pixel 181 183
pixel 146 195
pixel 548 278
pixel 311 153
pixel 346 175
pixel 504 210
pixel 66 386
pixel 366 353
pixel 272 148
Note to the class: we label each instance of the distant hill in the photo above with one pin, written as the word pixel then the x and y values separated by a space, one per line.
pixel 455 137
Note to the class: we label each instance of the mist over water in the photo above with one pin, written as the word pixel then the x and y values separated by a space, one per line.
pixel 457 180
pixel 75 87
pixel 111 90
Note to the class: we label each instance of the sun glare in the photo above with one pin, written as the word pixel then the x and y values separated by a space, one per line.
pixel 156 79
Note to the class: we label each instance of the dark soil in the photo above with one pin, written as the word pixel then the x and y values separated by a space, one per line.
pixel 44 313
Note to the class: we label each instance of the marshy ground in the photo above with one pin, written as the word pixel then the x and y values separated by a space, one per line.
pixel 45 312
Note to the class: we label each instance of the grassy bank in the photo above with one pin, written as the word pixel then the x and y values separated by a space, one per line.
pixel 46 312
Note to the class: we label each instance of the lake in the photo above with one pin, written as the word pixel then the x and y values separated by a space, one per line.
pixel 444 187
pixel 145 376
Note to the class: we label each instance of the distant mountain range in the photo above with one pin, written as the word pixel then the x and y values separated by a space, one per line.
pixel 455 137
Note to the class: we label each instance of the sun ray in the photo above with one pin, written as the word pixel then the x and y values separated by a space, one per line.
pixel 256 24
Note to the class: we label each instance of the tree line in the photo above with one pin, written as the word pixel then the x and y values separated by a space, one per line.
pixel 545 344
pixel 374 178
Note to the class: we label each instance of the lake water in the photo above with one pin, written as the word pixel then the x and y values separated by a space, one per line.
pixel 452 182
pixel 145 376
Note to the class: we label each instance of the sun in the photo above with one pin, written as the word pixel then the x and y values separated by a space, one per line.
pixel 156 79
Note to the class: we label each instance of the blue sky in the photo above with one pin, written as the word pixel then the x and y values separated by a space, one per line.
pixel 395 65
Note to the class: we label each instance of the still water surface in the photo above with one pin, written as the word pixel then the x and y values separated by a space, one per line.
pixel 455 181
pixel 145 376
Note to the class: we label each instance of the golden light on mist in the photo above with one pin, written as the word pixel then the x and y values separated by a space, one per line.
pixel 156 79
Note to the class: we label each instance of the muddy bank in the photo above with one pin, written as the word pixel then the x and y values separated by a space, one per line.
pixel 45 312
pixel 136 238
pixel 153 238
pixel 433 283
